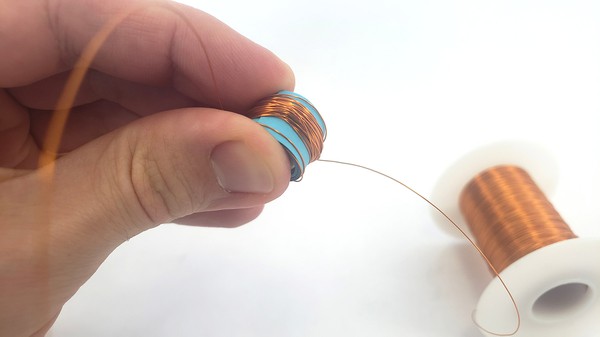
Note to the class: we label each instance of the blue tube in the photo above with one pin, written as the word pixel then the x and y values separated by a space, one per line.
pixel 289 139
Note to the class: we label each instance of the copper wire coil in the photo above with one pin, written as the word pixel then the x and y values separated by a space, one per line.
pixel 297 114
pixel 510 216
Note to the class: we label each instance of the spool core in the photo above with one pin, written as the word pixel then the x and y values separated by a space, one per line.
pixel 555 288
pixel 289 135
pixel 562 302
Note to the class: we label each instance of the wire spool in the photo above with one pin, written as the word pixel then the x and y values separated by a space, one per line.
pixel 509 215
pixel 296 124
pixel 553 276
pixel 532 157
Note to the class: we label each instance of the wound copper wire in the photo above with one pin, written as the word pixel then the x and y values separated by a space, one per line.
pixel 294 111
pixel 510 216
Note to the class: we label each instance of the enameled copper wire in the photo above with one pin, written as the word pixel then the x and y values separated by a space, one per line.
pixel 294 111
pixel 510 216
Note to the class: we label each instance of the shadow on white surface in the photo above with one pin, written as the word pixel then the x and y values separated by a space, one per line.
pixel 190 287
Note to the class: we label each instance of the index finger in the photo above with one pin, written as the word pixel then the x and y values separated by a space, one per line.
pixel 152 46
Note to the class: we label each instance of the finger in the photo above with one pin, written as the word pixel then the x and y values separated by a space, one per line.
pixel 139 98
pixel 85 123
pixel 44 94
pixel 8 173
pixel 170 165
pixel 229 218
pixel 44 329
pixel 155 170
pixel 153 46
pixel 17 148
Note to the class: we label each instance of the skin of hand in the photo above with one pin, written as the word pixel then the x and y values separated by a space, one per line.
pixel 141 147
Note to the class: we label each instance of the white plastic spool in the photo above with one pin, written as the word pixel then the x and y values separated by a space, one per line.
pixel 556 287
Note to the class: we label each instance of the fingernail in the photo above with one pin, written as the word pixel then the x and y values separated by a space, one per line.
pixel 238 169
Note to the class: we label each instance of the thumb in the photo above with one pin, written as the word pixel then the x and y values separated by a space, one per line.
pixel 200 166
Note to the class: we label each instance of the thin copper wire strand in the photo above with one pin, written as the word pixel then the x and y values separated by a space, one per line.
pixel 298 116
pixel 509 215
pixel 471 241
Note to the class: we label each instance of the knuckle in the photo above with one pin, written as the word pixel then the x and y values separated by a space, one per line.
pixel 161 190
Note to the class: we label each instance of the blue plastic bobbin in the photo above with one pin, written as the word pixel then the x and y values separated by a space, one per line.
pixel 288 138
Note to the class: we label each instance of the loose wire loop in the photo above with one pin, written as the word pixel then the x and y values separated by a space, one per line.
pixel 471 241
pixel 509 215
pixel 296 112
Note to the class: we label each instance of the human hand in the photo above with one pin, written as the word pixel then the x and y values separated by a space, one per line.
pixel 137 150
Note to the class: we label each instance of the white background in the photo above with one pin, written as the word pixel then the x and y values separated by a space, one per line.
pixel 406 87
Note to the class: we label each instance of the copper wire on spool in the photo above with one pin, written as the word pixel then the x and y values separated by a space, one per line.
pixel 509 215
pixel 553 276
pixel 296 124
